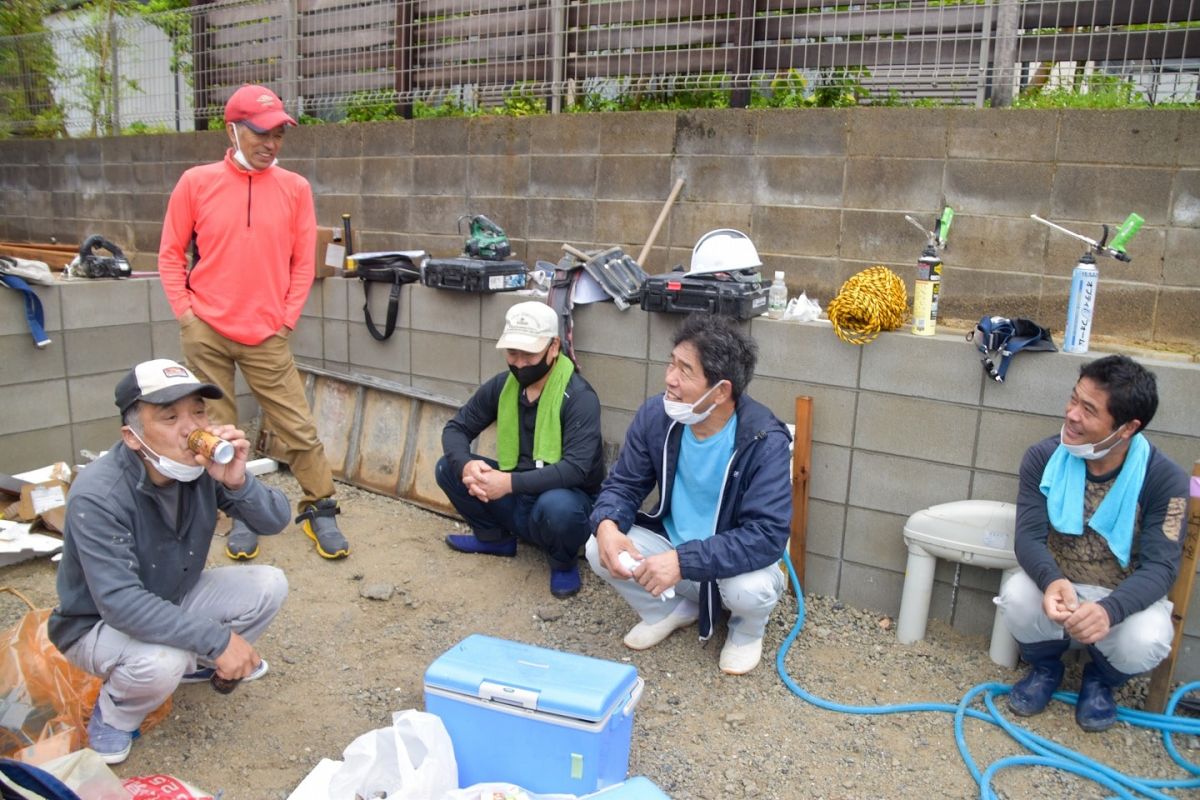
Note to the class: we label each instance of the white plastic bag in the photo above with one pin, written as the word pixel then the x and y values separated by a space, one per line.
pixel 412 760
pixel 802 309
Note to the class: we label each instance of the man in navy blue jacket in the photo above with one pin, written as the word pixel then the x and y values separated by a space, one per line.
pixel 721 464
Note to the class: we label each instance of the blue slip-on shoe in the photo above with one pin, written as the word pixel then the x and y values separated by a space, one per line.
pixel 1095 710
pixel 111 744
pixel 469 543
pixel 564 582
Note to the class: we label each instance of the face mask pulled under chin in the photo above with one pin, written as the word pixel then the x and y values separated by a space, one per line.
pixel 240 157
pixel 1090 452
pixel 685 413
pixel 185 473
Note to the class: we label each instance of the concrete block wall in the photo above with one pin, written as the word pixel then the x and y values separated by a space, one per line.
pixel 823 193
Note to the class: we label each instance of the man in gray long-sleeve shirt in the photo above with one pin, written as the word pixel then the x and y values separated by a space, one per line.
pixel 1100 513
pixel 549 462
pixel 136 606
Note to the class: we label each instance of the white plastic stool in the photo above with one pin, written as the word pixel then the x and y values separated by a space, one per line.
pixel 977 532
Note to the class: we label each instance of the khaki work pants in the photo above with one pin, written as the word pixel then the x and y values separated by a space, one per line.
pixel 271 374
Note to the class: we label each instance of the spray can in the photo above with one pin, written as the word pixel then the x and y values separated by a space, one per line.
pixel 926 291
pixel 1082 305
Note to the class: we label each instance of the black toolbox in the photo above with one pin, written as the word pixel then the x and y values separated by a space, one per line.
pixel 742 298
pixel 473 274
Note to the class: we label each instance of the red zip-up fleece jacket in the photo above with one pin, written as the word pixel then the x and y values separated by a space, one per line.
pixel 256 234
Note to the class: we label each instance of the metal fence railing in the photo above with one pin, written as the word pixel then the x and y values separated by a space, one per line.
pixel 377 58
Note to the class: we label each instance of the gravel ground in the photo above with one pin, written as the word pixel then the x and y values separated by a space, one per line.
pixel 355 637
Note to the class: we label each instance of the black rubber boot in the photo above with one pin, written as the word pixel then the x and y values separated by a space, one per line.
pixel 1032 694
pixel 1095 710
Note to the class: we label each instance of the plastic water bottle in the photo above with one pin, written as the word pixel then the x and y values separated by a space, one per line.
pixel 777 297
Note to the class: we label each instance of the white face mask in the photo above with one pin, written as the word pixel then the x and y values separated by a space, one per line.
pixel 170 468
pixel 685 413
pixel 1088 452
pixel 239 157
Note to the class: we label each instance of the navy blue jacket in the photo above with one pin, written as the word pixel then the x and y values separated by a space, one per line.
pixel 755 508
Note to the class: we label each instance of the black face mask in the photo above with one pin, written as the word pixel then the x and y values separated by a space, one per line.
pixel 531 374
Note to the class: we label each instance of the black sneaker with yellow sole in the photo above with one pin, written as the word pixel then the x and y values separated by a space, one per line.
pixel 242 543
pixel 318 523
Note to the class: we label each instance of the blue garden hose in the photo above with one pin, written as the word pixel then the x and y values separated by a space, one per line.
pixel 1045 753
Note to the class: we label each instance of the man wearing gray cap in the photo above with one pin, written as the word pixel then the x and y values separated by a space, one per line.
pixel 136 606
pixel 549 457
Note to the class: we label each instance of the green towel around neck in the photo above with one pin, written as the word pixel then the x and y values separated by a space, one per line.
pixel 547 429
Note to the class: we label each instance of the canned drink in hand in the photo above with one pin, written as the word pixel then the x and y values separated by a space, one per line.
pixel 210 446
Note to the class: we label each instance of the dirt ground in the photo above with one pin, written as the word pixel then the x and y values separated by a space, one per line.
pixel 342 663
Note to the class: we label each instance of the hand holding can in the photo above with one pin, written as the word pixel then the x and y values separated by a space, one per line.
pixel 210 446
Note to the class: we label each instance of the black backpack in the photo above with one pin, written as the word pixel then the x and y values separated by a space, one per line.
pixel 396 268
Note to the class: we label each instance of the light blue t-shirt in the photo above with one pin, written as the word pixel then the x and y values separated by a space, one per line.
pixel 699 477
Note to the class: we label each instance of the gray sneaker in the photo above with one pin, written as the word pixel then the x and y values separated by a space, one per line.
pixel 242 543
pixel 319 524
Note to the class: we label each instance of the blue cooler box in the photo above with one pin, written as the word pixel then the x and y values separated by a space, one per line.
pixel 638 788
pixel 545 720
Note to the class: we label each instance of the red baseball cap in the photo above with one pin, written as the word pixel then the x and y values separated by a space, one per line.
pixel 258 108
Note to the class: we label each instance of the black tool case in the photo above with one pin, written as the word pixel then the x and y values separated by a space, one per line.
pixel 473 274
pixel 677 293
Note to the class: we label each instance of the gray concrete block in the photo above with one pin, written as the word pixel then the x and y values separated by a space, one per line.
pixel 968 296
pixel 446 357
pixel 1091 136
pixel 118 177
pixel 880 237
pixel 808 350
pixel 36 448
pixel 1176 317
pixel 1106 193
pixel 898 132
pixel 314 303
pixel 794 230
pixel 821 576
pixel 440 135
pixel 825 530
pixel 565 133
pixel 392 139
pixel 444 311
pixel 91 396
pixel 1045 381
pixel 938 367
pixel 994 188
pixel 402 378
pixel 493 309
pixel 974 613
pixel 247 409
pixel 366 353
pixel 510 213
pixel 714 132
pixel 1012 135
pixel 491 360
pixel 832 408
pixel 613 425
pixel 831 477
pixel 432 214
pixel 109 349
pixel 330 207
pixel 335 338
pixel 384 213
pixel 563 176
pixel 338 176
pixel 992 486
pixel 387 176
pixel 498 176
pixel 915 428
pixel 570 220
pixel 96 435
pixel 691 220
pixel 338 141
pixel 455 391
pixel 164 340
pixel 986 242
pixel 1178 387
pixel 1187 664
pixel 160 309
pixel 870 588
pixel 801 132
pixel 99 303
pixel 619 382
pixel 903 485
pixel 37 404
pixel 653 132
pixel 493 135
pixel 149 206
pixel 627 224
pixel 1004 438
pixel 335 293
pixel 307 340
pixel 800 181
pixel 899 183
pixel 21 361
pixel 875 539
pixel 1179 267
pixel 439 175
pixel 63 205
pixel 604 328
pixel 706 179
pixel 634 177
pixel 1185 198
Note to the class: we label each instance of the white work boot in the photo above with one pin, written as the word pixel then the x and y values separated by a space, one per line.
pixel 645 635
pixel 738 659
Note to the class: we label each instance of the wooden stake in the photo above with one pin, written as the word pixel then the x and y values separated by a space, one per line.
pixel 658 223
pixel 801 471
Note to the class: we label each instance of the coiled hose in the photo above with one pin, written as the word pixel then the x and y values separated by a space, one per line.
pixel 1045 753
pixel 872 301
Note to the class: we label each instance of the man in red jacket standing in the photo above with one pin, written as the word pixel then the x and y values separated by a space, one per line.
pixel 253 231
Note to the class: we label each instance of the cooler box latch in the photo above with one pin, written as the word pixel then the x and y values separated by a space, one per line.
pixel 510 695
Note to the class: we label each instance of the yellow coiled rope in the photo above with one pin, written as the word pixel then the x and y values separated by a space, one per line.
pixel 874 300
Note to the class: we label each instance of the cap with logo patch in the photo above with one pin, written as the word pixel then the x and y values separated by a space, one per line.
pixel 258 108
pixel 161 382
pixel 528 326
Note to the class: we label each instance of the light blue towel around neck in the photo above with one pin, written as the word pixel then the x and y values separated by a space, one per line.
pixel 1064 481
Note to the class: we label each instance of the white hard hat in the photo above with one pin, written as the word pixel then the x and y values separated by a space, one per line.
pixel 723 250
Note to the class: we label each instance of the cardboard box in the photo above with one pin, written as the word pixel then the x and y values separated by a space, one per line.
pixel 545 720
pixel 331 252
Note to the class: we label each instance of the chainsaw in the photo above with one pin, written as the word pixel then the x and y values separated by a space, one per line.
pixel 487 240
